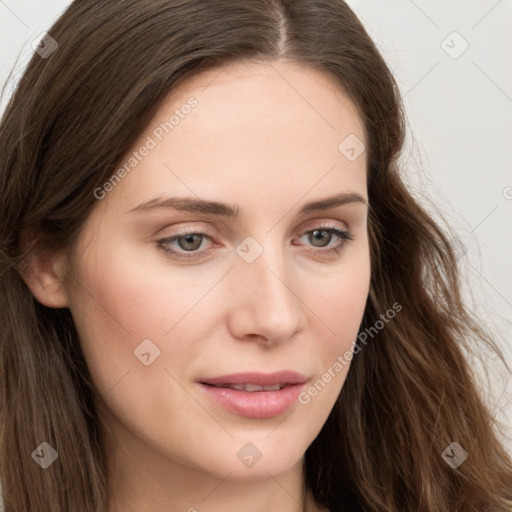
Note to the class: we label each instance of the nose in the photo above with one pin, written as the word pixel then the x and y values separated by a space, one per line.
pixel 266 302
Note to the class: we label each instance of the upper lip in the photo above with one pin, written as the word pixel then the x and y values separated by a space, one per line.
pixel 258 379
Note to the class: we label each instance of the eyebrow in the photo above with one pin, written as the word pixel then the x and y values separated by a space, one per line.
pixel 190 204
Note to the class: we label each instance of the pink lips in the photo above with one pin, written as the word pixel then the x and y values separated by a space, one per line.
pixel 255 403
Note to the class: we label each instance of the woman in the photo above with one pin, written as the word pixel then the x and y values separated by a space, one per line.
pixel 175 333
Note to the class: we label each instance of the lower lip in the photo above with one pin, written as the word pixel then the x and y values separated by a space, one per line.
pixel 257 404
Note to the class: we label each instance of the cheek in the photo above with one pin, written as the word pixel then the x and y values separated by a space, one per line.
pixel 142 293
pixel 340 298
pixel 123 301
pixel 121 320
pixel 338 307
pixel 344 302
pixel 114 310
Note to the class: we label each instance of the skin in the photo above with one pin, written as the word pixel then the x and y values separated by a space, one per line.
pixel 264 136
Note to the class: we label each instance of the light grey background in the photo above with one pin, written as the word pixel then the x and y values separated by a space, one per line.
pixel 459 149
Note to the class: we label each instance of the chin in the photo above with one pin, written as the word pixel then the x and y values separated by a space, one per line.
pixel 247 460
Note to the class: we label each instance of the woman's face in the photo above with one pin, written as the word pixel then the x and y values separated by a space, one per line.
pixel 170 300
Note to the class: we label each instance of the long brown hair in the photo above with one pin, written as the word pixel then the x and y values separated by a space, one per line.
pixel 410 392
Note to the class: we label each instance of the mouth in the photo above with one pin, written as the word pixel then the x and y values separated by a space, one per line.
pixel 255 395
pixel 250 388
pixel 262 380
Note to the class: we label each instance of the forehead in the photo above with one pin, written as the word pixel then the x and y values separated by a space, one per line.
pixel 267 93
pixel 259 126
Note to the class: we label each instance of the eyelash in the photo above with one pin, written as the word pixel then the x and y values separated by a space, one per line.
pixel 344 236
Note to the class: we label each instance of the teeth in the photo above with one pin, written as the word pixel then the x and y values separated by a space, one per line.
pixel 275 387
pixel 252 387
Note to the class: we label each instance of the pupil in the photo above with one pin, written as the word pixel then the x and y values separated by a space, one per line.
pixel 190 239
pixel 318 234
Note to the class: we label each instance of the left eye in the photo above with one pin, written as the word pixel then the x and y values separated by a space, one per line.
pixel 189 243
pixel 318 234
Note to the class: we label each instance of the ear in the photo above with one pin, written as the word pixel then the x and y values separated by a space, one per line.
pixel 44 276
